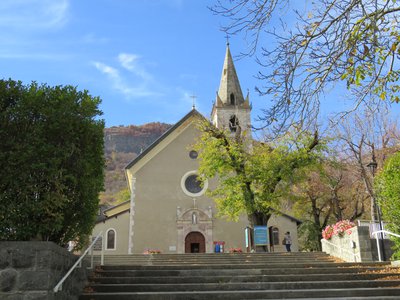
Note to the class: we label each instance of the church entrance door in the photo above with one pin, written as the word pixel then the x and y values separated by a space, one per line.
pixel 195 243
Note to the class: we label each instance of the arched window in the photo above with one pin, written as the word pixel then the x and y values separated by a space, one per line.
pixel 232 99
pixel 275 236
pixel 110 239
pixel 233 123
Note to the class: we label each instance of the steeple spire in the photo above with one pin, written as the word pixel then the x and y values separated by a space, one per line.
pixel 229 91
pixel 230 109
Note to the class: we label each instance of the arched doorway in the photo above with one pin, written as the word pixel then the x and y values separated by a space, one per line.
pixel 195 243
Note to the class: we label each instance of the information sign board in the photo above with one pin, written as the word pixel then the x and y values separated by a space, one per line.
pixel 260 235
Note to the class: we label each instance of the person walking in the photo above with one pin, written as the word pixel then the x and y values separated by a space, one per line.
pixel 287 241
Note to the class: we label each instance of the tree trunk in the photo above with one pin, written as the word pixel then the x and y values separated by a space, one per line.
pixel 259 218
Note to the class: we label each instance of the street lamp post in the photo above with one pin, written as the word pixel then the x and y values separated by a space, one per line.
pixel 373 165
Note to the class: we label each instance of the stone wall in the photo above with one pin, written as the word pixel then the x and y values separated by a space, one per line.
pixel 355 245
pixel 30 270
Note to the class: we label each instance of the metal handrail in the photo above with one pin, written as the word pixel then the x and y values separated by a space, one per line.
pixel 58 287
pixel 377 240
pixel 355 255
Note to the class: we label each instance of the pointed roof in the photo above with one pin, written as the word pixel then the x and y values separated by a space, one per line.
pixel 192 113
pixel 229 82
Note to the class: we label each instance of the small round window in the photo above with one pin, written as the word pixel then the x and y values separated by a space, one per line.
pixel 191 185
pixel 193 154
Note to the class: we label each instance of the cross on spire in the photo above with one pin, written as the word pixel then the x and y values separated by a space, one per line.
pixel 194 97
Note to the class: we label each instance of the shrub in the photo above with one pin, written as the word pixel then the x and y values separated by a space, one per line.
pixel 51 162
pixel 340 228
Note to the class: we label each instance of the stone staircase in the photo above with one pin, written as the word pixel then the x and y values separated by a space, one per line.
pixel 241 276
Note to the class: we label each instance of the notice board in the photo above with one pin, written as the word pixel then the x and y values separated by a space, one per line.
pixel 260 235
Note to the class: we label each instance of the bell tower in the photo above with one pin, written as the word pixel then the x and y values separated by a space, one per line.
pixel 231 110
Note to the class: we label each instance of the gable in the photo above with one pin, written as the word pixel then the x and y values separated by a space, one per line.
pixel 118 209
pixel 168 137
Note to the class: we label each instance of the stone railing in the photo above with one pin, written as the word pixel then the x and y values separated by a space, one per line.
pixel 354 245
pixel 30 270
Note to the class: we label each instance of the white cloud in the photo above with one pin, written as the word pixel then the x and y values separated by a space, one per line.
pixel 140 89
pixel 33 14
pixel 131 63
pixel 127 60
pixel 110 71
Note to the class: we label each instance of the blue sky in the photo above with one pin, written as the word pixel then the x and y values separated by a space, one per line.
pixel 144 59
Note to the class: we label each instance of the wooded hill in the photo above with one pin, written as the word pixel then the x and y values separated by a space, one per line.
pixel 121 145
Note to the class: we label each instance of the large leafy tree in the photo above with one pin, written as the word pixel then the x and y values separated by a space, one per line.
pixel 330 193
pixel 320 43
pixel 51 162
pixel 252 176
pixel 388 188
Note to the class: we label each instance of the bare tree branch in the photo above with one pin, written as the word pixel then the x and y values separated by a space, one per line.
pixel 356 42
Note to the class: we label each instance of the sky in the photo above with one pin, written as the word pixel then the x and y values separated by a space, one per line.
pixel 146 59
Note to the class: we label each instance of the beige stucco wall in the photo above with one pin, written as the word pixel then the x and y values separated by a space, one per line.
pixel 161 210
pixel 284 224
pixel 158 194
pixel 232 233
pixel 120 223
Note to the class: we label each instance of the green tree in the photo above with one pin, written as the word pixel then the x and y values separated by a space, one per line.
pixel 329 194
pixel 252 176
pixel 310 235
pixel 51 162
pixel 122 196
pixel 319 44
pixel 388 190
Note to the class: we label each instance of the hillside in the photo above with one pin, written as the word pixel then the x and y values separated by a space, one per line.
pixel 121 145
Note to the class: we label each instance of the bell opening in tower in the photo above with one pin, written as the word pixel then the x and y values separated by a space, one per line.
pixel 232 99
pixel 233 123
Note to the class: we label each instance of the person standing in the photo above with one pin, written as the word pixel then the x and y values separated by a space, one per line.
pixel 287 241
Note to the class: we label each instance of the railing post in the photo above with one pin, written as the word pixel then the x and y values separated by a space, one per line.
pixel 58 287
pixel 377 245
pixel 91 258
pixel 102 250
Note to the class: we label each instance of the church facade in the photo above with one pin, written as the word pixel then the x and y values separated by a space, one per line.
pixel 168 210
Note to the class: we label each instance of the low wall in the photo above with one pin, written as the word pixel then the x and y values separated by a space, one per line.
pixel 30 270
pixel 355 245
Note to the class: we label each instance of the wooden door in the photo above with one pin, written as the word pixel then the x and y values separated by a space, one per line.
pixel 195 243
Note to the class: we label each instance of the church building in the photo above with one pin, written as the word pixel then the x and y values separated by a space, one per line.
pixel 168 210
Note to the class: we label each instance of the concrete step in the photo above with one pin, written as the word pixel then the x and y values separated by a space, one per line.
pixel 245 265
pixel 233 272
pixel 238 286
pixel 212 258
pixel 240 278
pixel 248 294
pixel 254 255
